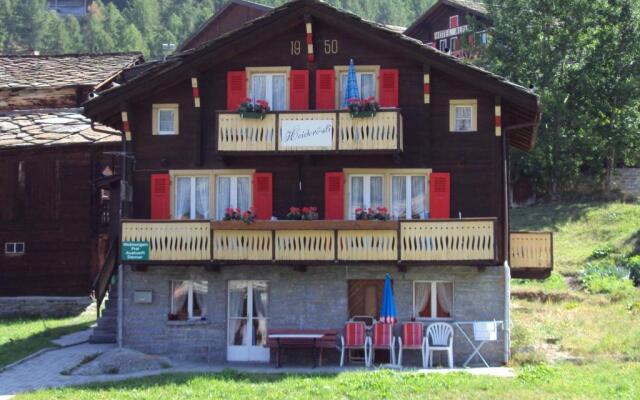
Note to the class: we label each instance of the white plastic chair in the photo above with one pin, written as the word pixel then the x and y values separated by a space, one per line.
pixel 439 338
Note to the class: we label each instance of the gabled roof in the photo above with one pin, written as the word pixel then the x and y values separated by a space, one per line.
pixel 54 127
pixel 57 71
pixel 470 6
pixel 163 74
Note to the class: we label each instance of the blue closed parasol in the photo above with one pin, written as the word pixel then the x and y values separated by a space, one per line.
pixel 388 313
pixel 351 93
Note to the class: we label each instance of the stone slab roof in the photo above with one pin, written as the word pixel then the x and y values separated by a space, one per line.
pixel 63 70
pixel 51 127
pixel 472 5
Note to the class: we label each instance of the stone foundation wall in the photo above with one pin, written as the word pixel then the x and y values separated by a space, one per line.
pixel 316 298
pixel 627 180
pixel 43 306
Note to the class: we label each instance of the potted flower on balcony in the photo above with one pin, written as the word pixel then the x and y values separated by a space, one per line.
pixel 249 216
pixel 294 213
pixel 363 108
pixel 232 214
pixel 249 109
pixel 377 214
pixel 310 213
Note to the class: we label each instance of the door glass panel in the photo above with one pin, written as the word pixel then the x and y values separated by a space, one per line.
pixel 376 192
pixel 183 198
pixel 278 95
pixel 238 296
pixel 357 194
pixel 243 193
pixel 399 197
pixel 258 87
pixel 223 195
pixel 418 197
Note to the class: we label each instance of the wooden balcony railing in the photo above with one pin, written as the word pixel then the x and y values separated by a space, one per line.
pixel 435 241
pixel 531 254
pixel 381 132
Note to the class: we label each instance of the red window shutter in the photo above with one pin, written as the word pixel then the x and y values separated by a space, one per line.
pixel 299 90
pixel 325 89
pixel 263 195
pixel 453 21
pixel 389 88
pixel 440 195
pixel 334 195
pixel 236 89
pixel 160 196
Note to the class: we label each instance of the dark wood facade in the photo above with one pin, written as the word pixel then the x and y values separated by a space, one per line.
pixel 476 161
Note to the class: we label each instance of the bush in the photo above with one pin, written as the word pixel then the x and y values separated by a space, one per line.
pixel 602 252
pixel 615 288
pixel 633 264
pixel 605 270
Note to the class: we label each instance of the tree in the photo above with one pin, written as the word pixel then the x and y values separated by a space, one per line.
pixel 56 39
pixel 76 38
pixel 132 40
pixel 31 18
pixel 97 39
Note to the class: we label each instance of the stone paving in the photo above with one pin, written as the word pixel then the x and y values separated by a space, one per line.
pixel 74 338
pixel 44 371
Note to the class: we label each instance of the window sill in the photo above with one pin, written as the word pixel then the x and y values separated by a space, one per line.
pixel 188 323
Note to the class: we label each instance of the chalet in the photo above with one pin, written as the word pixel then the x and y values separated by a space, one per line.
pixel 334 192
pixel 76 8
pixel 452 26
pixel 53 221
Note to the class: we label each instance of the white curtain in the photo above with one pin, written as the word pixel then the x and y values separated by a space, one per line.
pixel 243 193
pixel 223 196
pixel 202 198
pixel 179 291
pixel 165 120
pixel 444 292
pixel 357 194
pixel 237 314
pixel 260 302
pixel 463 118
pixel 418 197
pixel 343 90
pixel 200 289
pixel 367 85
pixel 399 197
pixel 183 198
pixel 258 87
pixel 422 298
pixel 277 92
pixel 376 192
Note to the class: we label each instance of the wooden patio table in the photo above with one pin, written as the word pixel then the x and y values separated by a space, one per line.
pixel 296 340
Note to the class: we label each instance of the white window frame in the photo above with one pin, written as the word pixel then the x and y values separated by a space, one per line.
pixel 409 194
pixel 366 192
pixel 359 75
pixel 233 188
pixel 269 88
pixel 250 72
pixel 452 46
pixel 192 195
pixel 157 109
pixel 190 316
pixel 434 301
pixel 442 45
pixel 454 105
pixel 11 248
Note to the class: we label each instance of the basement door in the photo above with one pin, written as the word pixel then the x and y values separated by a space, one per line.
pixel 247 322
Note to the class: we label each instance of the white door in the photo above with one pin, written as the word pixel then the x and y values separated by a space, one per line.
pixel 247 322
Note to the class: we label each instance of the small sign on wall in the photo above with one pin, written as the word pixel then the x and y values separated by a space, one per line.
pixel 134 251
pixel 306 133
pixel 143 297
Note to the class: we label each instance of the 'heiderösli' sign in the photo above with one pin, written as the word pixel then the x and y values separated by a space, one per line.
pixel 135 251
pixel 306 133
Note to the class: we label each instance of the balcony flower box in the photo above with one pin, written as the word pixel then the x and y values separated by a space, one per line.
pixel 365 108
pixel 257 110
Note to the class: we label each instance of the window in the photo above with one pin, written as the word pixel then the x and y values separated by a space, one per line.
pixel 433 299
pixel 188 300
pixel 463 115
pixel 453 21
pixel 366 86
pixel 442 45
pixel 454 44
pixel 233 192
pixel 269 87
pixel 14 248
pixel 484 38
pixel 365 191
pixel 191 197
pixel 409 193
pixel 165 119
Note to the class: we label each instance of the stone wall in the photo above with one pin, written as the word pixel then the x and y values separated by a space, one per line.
pixel 627 180
pixel 43 306
pixel 316 298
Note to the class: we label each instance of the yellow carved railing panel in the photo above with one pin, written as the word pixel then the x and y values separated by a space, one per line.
pixel 242 245
pixel 447 240
pixel 171 241
pixel 359 245
pixel 305 245
pixel 246 134
pixel 531 250
pixel 379 132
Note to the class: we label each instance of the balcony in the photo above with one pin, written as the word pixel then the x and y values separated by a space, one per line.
pixel 310 131
pixel 465 241
pixel 531 254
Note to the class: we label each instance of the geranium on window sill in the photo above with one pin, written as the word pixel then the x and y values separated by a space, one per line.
pixel 377 214
pixel 249 216
pixel 305 213
pixel 232 214
pixel 363 108
pixel 249 109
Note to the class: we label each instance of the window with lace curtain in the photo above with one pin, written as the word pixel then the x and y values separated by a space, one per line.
pixel 409 196
pixel 433 299
pixel 191 199
pixel 463 115
pixel 188 300
pixel 165 119
pixel 232 192
pixel 365 191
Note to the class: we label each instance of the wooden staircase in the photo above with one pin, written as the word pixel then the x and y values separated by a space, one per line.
pixel 106 284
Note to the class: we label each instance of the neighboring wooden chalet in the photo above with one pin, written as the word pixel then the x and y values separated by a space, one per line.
pixel 53 219
pixel 452 26
pixel 76 8
pixel 431 163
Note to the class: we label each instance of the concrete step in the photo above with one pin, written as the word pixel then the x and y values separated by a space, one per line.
pixel 102 337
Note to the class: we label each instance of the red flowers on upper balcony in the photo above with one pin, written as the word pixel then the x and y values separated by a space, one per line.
pixel 235 214
pixel 363 107
pixel 379 213
pixel 250 109
pixel 304 213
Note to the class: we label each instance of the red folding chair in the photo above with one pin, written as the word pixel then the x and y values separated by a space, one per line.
pixel 412 338
pixel 383 339
pixel 354 337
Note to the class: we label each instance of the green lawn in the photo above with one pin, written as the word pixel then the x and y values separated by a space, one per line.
pixel 594 381
pixel 20 337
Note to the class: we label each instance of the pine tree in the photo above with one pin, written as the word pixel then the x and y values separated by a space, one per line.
pixel 132 40
pixel 76 37
pixel 31 23
pixel 97 38
pixel 7 26
pixel 56 39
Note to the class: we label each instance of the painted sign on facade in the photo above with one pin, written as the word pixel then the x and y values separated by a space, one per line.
pixel 134 251
pixel 306 133
pixel 450 32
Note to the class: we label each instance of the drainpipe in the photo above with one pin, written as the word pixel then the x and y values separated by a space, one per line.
pixel 120 303
pixel 507 312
